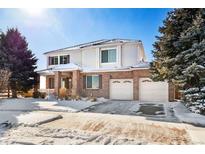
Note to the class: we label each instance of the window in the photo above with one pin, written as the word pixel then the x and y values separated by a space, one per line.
pixel 93 82
pixel 53 60
pixel 108 56
pixel 65 59
pixel 51 83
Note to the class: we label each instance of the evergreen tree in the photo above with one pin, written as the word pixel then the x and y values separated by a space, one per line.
pixel 165 49
pixel 21 61
pixel 180 53
pixel 3 55
pixel 4 72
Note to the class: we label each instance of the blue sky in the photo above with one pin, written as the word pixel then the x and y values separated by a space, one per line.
pixel 50 29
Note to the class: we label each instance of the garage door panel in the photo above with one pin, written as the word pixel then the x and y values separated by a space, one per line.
pixel 152 91
pixel 121 89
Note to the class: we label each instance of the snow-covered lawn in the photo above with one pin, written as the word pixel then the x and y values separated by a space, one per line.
pixel 31 117
pixel 13 110
pixel 30 104
pixel 21 111
pixel 14 107
pixel 94 128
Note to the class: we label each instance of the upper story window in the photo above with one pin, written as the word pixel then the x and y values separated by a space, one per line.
pixel 108 56
pixel 65 59
pixel 53 60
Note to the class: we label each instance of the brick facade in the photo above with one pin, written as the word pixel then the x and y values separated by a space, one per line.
pixel 79 89
pixel 106 76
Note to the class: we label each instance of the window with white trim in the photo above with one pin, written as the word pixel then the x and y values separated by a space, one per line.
pixel 92 82
pixel 53 60
pixel 65 59
pixel 108 56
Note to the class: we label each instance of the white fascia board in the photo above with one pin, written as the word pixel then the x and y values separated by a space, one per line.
pixel 56 52
pixel 64 70
pixel 100 71
pixel 45 73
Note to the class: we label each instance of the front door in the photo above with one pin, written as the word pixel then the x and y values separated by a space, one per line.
pixel 66 83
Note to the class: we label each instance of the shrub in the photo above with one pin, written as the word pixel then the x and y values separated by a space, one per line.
pixel 75 97
pixel 43 95
pixel 93 99
pixel 36 94
pixel 63 93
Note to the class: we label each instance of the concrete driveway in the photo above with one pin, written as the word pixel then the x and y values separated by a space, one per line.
pixel 151 110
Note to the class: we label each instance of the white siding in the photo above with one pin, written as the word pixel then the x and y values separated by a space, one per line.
pixel 75 56
pixel 42 82
pixel 89 58
pixel 130 54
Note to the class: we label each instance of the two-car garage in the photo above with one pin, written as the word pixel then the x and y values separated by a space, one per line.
pixel 123 89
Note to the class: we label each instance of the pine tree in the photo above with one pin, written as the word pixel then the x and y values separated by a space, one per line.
pixel 193 55
pixel 180 53
pixel 21 61
pixel 4 72
pixel 3 55
pixel 165 49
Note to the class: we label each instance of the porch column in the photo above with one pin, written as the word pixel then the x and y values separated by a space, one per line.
pixel 57 81
pixel 75 82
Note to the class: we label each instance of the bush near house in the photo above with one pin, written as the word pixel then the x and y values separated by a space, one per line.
pixel 37 94
pixel 63 93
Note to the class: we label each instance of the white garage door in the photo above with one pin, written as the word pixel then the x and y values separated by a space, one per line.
pixel 121 89
pixel 152 91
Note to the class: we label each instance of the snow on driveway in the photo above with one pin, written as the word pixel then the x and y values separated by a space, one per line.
pixel 186 116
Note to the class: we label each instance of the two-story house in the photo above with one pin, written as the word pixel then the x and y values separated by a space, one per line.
pixel 113 68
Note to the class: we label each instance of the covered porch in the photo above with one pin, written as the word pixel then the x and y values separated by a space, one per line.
pixel 67 80
pixel 52 80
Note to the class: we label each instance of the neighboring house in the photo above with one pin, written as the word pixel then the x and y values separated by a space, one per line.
pixel 114 69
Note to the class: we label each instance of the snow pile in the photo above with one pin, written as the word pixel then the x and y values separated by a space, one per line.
pixel 142 65
pixel 36 118
pixel 184 115
pixel 102 100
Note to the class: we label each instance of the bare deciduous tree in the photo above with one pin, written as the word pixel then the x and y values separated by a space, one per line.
pixel 4 78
